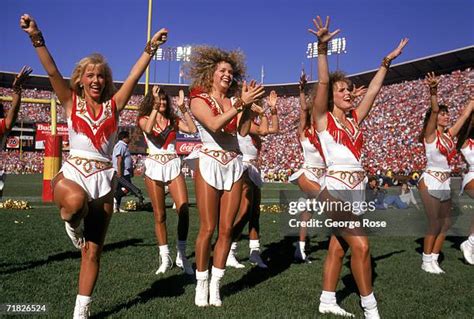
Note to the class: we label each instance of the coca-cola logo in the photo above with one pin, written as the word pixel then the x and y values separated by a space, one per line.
pixel 186 148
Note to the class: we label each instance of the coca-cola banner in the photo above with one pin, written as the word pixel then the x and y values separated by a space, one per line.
pixel 186 143
pixel 44 129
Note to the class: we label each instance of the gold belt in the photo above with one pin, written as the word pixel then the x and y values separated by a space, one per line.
pixel 254 162
pixel 88 165
pixel 352 178
pixel 317 171
pixel 163 158
pixel 441 176
pixel 222 156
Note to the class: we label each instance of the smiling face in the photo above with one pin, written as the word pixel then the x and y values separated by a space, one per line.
pixel 342 96
pixel 443 118
pixel 163 103
pixel 223 76
pixel 93 81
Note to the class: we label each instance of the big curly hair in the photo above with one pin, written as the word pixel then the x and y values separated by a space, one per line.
pixel 203 63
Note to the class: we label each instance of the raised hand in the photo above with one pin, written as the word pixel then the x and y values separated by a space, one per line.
pixel 272 99
pixel 28 24
pixel 181 98
pixel 398 50
pixel 358 91
pixel 431 80
pixel 160 37
pixel 256 108
pixel 155 91
pixel 251 92
pixel 22 76
pixel 303 81
pixel 322 31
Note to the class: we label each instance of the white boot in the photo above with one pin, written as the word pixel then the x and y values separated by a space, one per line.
pixel 202 289
pixel 468 251
pixel 435 264
pixel 82 310
pixel 214 285
pixel 328 304
pixel 369 304
pixel 255 258
pixel 300 254
pixel 231 259
pixel 165 260
pixel 181 260
pixel 427 264
pixel 76 234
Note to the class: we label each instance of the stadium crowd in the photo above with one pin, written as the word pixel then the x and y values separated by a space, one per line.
pixel 391 131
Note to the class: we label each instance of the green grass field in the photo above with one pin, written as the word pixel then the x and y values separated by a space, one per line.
pixel 39 265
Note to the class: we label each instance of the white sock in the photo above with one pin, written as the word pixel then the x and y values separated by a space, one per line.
pixel 217 273
pixel 427 258
pixel 83 300
pixel 254 244
pixel 470 240
pixel 434 257
pixel 302 245
pixel 182 247
pixel 369 301
pixel 328 297
pixel 202 275
pixel 164 250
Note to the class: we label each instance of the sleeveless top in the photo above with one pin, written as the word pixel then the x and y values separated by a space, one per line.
pixel 312 151
pixel 162 140
pixel 440 152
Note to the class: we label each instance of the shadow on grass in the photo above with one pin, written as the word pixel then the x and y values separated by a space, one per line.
pixel 168 287
pixel 67 255
pixel 348 280
pixel 278 256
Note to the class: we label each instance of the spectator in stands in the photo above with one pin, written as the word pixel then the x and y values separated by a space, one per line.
pixel 83 188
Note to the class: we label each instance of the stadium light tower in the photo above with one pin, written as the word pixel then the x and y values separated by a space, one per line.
pixel 175 54
pixel 337 46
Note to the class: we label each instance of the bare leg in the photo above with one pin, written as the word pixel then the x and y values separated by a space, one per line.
pixel 246 202
pixel 179 193
pixel 156 191
pixel 71 200
pixel 432 206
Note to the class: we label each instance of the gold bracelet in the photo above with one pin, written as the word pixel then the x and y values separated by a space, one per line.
pixel 151 48
pixel 386 62
pixel 182 108
pixel 273 111
pixel 433 90
pixel 322 48
pixel 37 39
pixel 239 105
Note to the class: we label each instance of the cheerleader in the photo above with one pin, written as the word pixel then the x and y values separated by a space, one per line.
pixel 466 145
pixel 249 210
pixel 337 123
pixel 434 184
pixel 163 167
pixel 216 75
pixel 83 189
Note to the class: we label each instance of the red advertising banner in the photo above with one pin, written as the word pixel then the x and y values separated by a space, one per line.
pixel 44 129
pixel 186 147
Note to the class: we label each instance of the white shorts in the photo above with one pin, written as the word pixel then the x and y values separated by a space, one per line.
pixel 162 167
pixel 314 174
pixel 438 184
pixel 467 178
pixel 219 168
pixel 347 186
pixel 253 173
pixel 95 177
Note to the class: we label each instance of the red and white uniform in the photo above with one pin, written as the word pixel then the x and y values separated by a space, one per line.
pixel 220 161
pixel 468 153
pixel 342 150
pixel 314 166
pixel 250 147
pixel 437 172
pixel 162 163
pixel 3 127
pixel 91 141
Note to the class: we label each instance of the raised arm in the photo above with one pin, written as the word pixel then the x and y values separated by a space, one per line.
pixel 12 114
pixel 320 103
pixel 125 92
pixel 304 110
pixel 250 94
pixel 376 84
pixel 262 128
pixel 272 101
pixel 430 132
pixel 146 125
pixel 465 115
pixel 186 126
pixel 60 85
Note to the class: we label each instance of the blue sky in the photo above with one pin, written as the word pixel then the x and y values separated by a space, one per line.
pixel 272 33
